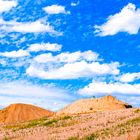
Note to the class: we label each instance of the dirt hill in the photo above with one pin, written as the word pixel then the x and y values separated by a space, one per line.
pixel 94 104
pixel 22 112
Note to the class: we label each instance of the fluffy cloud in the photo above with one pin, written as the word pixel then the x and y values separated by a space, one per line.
pixel 45 47
pixel 128 20
pixel 67 57
pixel 74 70
pixel 96 88
pixel 71 66
pixel 32 27
pixel 55 9
pixel 130 77
pixel 27 27
pixel 15 54
pixel 7 5
pixel 23 92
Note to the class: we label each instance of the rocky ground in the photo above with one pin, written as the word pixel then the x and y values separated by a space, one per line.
pixel 107 125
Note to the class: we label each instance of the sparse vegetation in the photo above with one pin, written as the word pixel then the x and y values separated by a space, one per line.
pixel 101 125
pixel 74 138
pixel 56 120
pixel 50 122
pixel 66 117
pixel 137 111
pixel 40 122
pixel 5 138
pixel 133 121
pixel 91 137
pixel 25 125
pixel 120 129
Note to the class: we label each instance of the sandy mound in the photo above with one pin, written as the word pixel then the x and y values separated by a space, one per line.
pixel 94 104
pixel 22 112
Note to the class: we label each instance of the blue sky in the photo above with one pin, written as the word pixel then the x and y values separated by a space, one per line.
pixel 55 52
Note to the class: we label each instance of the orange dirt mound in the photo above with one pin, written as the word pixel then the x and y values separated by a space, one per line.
pixel 94 104
pixel 22 112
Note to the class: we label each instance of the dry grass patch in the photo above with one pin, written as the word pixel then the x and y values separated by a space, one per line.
pixel 137 111
pixel 40 122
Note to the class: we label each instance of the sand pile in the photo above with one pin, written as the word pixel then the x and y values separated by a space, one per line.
pixel 94 104
pixel 22 112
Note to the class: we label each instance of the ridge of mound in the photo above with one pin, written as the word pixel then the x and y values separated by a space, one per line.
pixel 94 104
pixel 19 112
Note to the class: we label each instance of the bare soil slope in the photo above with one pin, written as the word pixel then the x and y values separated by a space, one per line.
pixel 22 112
pixel 94 104
pixel 123 124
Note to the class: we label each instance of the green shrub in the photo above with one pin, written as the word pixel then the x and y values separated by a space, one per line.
pixel 91 137
pixel 50 122
pixel 66 118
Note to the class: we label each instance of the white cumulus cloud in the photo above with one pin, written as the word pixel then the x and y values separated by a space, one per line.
pixel 130 77
pixel 27 27
pixel 97 88
pixel 55 9
pixel 67 57
pixel 127 20
pixel 68 65
pixel 74 70
pixel 45 47
pixel 6 5
pixel 14 54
